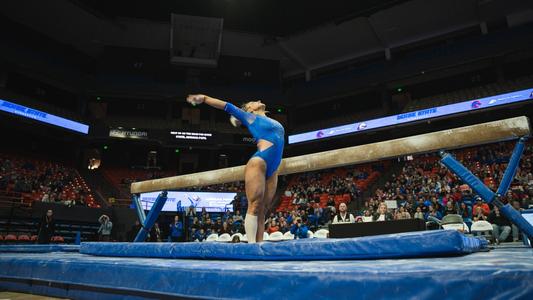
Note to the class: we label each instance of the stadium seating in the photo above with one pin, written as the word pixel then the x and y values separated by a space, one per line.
pixel 58 240
pixel 32 177
pixel 121 178
pixel 10 238
pixel 24 238
pixel 367 176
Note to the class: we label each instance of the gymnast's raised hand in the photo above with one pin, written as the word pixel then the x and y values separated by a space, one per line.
pixel 196 99
pixel 261 172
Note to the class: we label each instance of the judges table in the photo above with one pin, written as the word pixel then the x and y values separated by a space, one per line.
pixel 347 230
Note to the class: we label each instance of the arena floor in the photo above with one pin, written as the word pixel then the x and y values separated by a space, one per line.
pixel 505 272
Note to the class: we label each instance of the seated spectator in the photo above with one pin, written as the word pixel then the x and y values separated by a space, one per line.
pixel 200 235
pixel 273 227
pixel 465 211
pixel 155 233
pixel 192 235
pixel 45 198
pixel 420 204
pixel 225 228
pixel 317 214
pixel 208 226
pixel 433 213
pixel 299 229
pixel 205 215
pixel 237 217
pixel 343 216
pixel 527 201
pixel 283 226
pixel 367 217
pixel 485 209
pixel 331 204
pixel 383 214
pixel 402 214
pixel 195 223
pixel 218 225
pixel 501 227
pixel 450 208
pixel 479 215
pixel 419 214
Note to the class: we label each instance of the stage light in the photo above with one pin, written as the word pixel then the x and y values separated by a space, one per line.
pixel 105 147
pixel 177 150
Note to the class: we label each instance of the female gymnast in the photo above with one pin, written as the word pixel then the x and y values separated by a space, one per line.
pixel 260 175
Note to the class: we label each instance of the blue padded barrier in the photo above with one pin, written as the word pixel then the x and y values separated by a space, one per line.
pixel 39 248
pixel 411 244
pixel 503 273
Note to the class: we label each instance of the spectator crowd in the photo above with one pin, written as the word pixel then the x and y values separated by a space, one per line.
pixel 425 189
pixel 41 180
pixel 422 189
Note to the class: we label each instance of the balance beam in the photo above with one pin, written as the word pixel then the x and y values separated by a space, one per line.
pixel 478 134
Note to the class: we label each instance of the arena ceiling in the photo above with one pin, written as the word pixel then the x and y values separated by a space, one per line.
pixel 304 36
pixel 268 17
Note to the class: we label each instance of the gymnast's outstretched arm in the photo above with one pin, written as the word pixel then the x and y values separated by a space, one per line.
pixel 239 114
pixel 199 99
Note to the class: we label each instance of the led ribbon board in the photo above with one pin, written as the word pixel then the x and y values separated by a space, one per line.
pixel 429 113
pixel 44 117
pixel 212 201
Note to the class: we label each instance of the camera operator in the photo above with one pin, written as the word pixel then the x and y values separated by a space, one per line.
pixel 299 229
pixel 105 228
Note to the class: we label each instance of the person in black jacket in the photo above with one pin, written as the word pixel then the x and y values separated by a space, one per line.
pixel 501 227
pixel 383 214
pixel 134 229
pixel 46 228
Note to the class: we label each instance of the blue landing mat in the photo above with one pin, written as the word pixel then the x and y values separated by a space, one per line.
pixel 39 248
pixel 412 244
pixel 503 273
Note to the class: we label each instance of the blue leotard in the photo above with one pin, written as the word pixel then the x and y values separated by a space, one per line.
pixel 262 128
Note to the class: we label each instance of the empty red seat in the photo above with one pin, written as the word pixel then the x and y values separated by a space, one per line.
pixel 10 238
pixel 23 238
pixel 58 239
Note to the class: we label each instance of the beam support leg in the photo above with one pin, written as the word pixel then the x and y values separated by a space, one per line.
pixel 151 218
pixel 489 196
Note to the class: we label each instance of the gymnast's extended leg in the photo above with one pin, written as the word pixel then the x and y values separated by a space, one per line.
pixel 254 181
pixel 270 190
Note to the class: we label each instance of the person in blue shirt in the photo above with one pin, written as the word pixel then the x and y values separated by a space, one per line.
pixel 299 229
pixel 176 230
pixel 199 235
pixel 432 212
pixel 260 175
